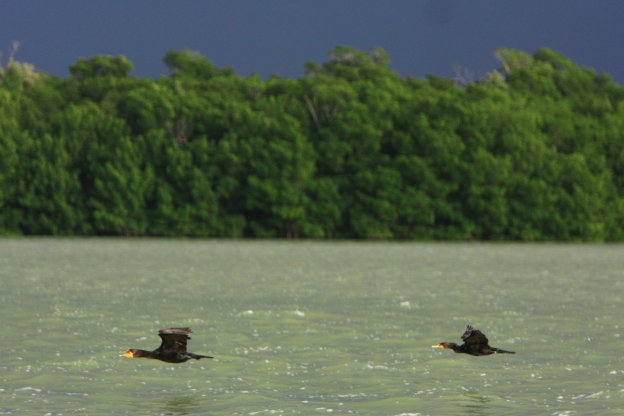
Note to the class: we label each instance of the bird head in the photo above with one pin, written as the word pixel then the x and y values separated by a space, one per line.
pixel 444 345
pixel 130 354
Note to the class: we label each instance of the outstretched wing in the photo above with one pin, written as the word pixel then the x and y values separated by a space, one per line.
pixel 474 336
pixel 174 339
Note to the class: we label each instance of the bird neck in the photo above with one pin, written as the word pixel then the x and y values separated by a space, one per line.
pixel 142 354
pixel 458 348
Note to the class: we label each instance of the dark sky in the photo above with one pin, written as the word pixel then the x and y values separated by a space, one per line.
pixel 280 36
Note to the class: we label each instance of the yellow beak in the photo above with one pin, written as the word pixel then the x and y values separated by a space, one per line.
pixel 438 346
pixel 128 354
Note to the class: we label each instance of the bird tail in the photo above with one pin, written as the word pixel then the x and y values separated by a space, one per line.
pixel 197 356
pixel 499 351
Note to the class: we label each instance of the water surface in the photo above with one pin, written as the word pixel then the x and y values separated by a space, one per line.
pixel 310 327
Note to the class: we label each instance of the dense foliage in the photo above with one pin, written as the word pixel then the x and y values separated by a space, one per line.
pixel 533 151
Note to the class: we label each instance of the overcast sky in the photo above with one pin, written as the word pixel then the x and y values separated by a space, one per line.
pixel 279 36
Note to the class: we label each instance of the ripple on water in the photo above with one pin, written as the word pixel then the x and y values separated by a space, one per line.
pixel 310 327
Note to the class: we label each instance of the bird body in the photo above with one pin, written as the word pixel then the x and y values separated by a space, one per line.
pixel 475 343
pixel 172 348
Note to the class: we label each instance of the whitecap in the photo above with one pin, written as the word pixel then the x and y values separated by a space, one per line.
pixel 28 389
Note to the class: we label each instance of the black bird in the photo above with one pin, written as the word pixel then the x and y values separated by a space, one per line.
pixel 475 343
pixel 171 350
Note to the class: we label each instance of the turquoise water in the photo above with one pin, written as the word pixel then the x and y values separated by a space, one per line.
pixel 310 328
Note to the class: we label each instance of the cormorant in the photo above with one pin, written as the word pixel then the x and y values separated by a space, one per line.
pixel 475 343
pixel 171 350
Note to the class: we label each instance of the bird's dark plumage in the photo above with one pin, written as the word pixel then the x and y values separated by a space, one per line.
pixel 475 343
pixel 172 348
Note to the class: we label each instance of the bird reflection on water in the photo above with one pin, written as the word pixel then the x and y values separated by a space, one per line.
pixel 183 405
pixel 476 404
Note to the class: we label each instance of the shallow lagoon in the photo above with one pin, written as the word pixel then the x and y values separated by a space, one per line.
pixel 310 327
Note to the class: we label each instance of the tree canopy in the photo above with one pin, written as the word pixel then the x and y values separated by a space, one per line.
pixel 532 151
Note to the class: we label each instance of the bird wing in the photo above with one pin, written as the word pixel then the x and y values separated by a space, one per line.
pixel 174 339
pixel 474 336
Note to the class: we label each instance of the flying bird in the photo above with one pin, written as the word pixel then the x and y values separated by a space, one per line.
pixel 171 350
pixel 475 343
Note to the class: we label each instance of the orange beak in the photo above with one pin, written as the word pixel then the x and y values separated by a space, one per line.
pixel 439 346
